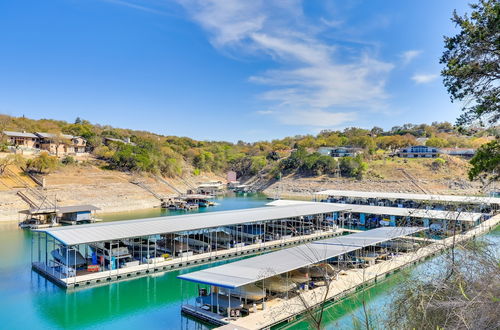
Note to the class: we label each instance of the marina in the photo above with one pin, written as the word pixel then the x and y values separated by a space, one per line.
pixel 151 300
pixel 277 306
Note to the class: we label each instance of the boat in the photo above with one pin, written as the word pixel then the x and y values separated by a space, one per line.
pixel 109 250
pixel 249 291
pixel 246 231
pixel 298 276
pixel 219 236
pixel 142 247
pixel 222 301
pixel 193 242
pixel 320 270
pixel 399 245
pixel 277 284
pixel 171 246
pixel 73 259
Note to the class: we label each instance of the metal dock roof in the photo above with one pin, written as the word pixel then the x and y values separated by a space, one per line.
pixel 106 231
pixel 61 209
pixel 254 269
pixel 397 211
pixel 419 197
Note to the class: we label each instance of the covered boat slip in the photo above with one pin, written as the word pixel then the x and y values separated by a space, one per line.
pixel 280 310
pixel 54 216
pixel 239 273
pixel 445 202
pixel 368 216
pixel 123 249
pixel 288 272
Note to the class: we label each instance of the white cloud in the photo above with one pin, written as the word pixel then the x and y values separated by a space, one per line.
pixel 410 55
pixel 312 84
pixel 422 78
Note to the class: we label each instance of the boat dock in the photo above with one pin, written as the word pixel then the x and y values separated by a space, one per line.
pixel 278 309
pixel 95 254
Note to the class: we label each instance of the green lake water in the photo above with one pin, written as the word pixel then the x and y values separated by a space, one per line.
pixel 29 301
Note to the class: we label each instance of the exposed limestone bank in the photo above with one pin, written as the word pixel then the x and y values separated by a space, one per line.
pixel 305 187
pixel 111 191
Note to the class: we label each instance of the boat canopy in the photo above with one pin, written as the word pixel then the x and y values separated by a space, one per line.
pixel 61 209
pixel 246 271
pixel 396 211
pixel 406 196
pixel 107 231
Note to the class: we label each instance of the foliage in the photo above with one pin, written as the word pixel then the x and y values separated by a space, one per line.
pixel 171 155
pixel 486 162
pixel 43 163
pixel 68 160
pixel 436 142
pixel 459 290
pixel 472 62
pixel 11 159
pixel 353 167
pixel 438 163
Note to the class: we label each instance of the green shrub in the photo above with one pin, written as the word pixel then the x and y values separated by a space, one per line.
pixel 43 163
pixel 68 160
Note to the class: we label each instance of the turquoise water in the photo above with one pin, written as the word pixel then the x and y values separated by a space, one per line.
pixel 27 300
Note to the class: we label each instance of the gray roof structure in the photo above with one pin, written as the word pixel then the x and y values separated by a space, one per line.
pixel 61 209
pixel 52 135
pixel 20 134
pixel 239 273
pixel 397 211
pixel 415 197
pixel 115 230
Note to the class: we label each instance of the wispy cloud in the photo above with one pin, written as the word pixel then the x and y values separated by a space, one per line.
pixel 422 78
pixel 136 6
pixel 410 55
pixel 312 84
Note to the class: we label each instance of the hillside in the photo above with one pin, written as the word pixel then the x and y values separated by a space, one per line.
pixel 173 156
pixel 398 175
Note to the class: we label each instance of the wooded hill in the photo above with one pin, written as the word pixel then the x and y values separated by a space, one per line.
pixel 173 156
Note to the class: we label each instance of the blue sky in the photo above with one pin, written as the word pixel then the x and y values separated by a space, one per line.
pixel 226 70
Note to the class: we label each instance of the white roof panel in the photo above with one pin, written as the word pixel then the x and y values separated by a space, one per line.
pixel 106 231
pixel 254 269
pixel 419 197
pixel 397 211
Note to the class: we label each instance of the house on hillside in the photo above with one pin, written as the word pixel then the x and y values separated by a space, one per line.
pixel 459 152
pixel 340 151
pixel 22 139
pixel 418 152
pixel 108 140
pixel 56 144
pixel 62 144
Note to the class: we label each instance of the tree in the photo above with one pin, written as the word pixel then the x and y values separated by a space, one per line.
pixel 11 159
pixel 486 162
pixel 43 163
pixel 472 63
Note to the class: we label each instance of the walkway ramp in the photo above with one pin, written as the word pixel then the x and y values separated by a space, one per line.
pixel 144 186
